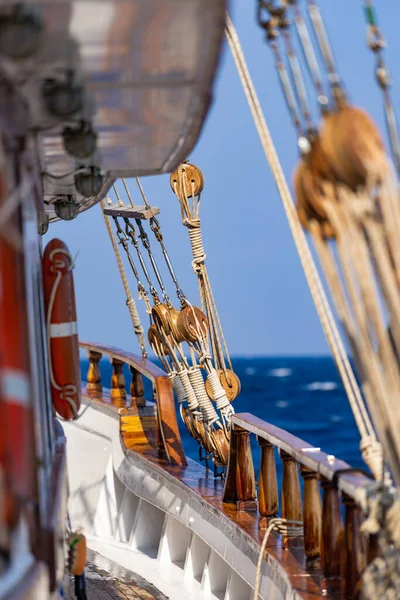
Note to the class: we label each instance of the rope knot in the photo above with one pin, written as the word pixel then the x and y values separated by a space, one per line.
pixel 204 357
pixel 372 454
pixel 379 500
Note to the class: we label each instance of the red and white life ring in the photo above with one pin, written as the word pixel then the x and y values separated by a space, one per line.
pixel 17 444
pixel 62 330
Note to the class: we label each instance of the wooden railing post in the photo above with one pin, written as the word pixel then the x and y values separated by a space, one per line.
pixel 94 375
pixel 355 555
pixel 137 389
pixel 268 488
pixel 312 516
pixel 291 497
pixel 240 485
pixel 118 391
pixel 331 539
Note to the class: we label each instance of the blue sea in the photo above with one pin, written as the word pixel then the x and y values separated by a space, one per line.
pixel 305 396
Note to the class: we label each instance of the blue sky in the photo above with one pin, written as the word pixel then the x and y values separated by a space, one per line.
pixel 263 299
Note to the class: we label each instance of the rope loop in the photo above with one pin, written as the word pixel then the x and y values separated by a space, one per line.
pixel 286 527
pixel 204 358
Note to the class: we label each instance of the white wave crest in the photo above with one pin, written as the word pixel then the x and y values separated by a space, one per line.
pixel 323 386
pixel 282 403
pixel 283 372
pixel 250 371
pixel 336 418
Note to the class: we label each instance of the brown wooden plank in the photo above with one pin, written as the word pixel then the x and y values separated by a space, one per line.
pixel 169 424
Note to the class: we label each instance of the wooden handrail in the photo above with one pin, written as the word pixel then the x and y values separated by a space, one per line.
pixel 304 453
pixel 338 549
pixel 143 365
pixel 162 390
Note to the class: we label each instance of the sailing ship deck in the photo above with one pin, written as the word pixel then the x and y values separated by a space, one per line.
pixel 107 581
pixel 144 474
pixel 141 439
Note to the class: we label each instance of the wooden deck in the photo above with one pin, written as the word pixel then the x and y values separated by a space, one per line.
pixel 107 581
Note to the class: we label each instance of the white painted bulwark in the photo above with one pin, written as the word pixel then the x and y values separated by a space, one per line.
pixel 149 522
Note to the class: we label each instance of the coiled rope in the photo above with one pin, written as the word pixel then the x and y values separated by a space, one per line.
pixel 207 409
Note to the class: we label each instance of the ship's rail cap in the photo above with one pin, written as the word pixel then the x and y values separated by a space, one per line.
pixel 354 483
pixel 143 365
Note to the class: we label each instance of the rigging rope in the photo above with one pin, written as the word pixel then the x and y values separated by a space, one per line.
pixel 372 453
pixel 137 326
pixel 376 43
pixel 199 415
pixel 191 220
pixel 156 229
pixel 285 527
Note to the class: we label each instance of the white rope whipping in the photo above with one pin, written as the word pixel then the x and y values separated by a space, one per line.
pixel 218 391
pixel 193 402
pixel 207 409
pixel 196 242
pixel 178 387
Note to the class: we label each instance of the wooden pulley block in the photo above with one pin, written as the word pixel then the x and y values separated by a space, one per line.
pixel 205 440
pixel 230 383
pixel 353 147
pixel 192 324
pixel 160 314
pixel 189 422
pixel 317 162
pixel 194 179
pixel 221 445
pixel 305 190
pixel 173 317
pixel 155 340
